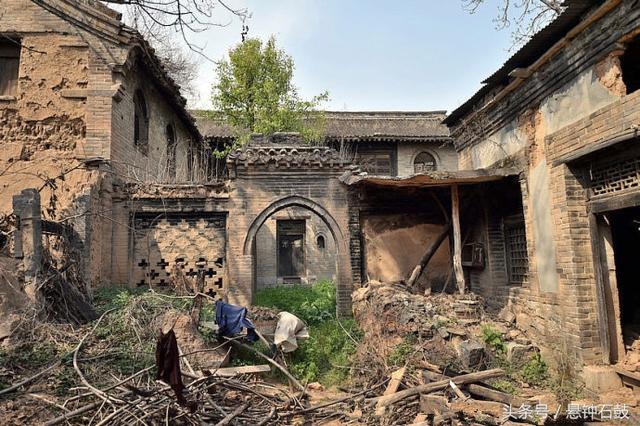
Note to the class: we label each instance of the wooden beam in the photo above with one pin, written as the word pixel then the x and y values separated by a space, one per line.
pixel 457 239
pixel 479 376
pixel 426 257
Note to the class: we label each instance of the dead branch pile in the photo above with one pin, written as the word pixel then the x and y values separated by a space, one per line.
pixel 62 291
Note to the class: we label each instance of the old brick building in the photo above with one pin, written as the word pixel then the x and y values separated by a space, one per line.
pixel 548 176
pixel 561 242
pixel 85 106
pixel 295 245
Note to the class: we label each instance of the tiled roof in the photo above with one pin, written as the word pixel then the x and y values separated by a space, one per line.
pixel 361 125
pixel 386 125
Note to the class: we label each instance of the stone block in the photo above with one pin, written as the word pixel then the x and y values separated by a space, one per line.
pixel 471 353
pixel 518 354
pixel 601 378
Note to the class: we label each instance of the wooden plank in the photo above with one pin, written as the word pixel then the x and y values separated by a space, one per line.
pixel 234 371
pixel 457 239
pixel 394 383
pixel 628 378
pixel 392 387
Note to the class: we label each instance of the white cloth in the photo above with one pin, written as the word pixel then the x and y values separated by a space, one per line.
pixel 290 328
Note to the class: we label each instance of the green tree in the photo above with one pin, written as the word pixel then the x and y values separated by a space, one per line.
pixel 255 93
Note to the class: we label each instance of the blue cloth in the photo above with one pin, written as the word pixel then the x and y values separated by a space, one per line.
pixel 231 319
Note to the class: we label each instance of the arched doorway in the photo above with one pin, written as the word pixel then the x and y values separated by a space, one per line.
pixel 294 246
pixel 303 222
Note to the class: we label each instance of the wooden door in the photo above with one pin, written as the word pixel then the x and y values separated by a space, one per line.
pixel 291 256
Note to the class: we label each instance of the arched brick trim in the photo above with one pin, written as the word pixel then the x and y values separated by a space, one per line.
pixel 296 201
pixel 429 151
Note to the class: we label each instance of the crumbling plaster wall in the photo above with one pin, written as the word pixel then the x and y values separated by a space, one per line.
pixel 394 244
pixel 320 263
pixel 44 127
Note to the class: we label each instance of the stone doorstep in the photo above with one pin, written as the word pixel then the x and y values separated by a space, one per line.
pixel 601 378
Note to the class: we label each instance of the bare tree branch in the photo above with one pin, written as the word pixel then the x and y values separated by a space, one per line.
pixel 525 17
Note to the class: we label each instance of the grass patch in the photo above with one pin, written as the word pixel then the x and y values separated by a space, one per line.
pixel 326 355
pixel 401 353
pixel 312 304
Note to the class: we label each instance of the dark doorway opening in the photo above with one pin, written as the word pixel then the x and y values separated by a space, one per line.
pixel 625 232
pixel 291 259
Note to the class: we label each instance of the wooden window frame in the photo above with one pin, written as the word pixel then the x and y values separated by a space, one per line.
pixel 510 224
pixel 10 53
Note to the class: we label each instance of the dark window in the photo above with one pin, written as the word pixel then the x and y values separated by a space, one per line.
pixel 320 242
pixel 9 66
pixel 424 162
pixel 171 152
pixel 376 163
pixel 516 245
pixel 140 122
pixel 630 64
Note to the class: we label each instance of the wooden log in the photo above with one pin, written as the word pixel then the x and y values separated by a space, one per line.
pixel 426 257
pixel 457 239
pixel 497 396
pixel 233 415
pixel 478 389
pixel 440 385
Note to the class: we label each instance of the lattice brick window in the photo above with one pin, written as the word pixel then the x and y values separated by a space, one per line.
pixel 516 247
pixel 615 176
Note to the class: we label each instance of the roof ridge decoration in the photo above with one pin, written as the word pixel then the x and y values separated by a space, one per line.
pixel 287 157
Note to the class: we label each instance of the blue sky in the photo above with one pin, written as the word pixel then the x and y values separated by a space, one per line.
pixel 407 55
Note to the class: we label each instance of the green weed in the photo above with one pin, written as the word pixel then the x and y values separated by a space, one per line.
pixel 326 355
pixel 493 338
pixel 535 371
pixel 313 304
pixel 401 353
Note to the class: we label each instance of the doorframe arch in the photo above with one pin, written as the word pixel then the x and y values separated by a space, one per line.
pixel 295 201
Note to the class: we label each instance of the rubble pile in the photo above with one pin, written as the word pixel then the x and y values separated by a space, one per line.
pixel 429 346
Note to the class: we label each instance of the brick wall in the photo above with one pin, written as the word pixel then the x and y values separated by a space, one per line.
pixel 320 264
pixel 445 155
pixel 267 179
pixel 564 109
pixel 129 161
